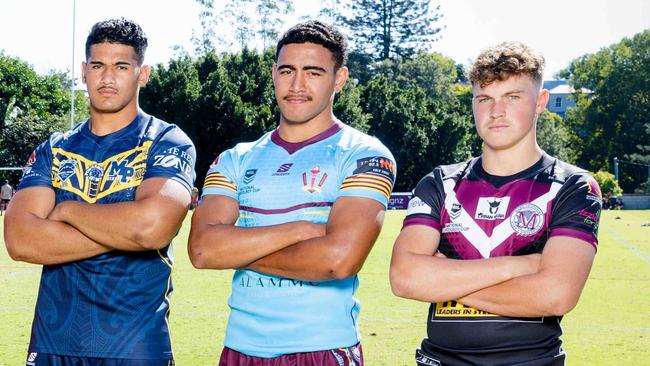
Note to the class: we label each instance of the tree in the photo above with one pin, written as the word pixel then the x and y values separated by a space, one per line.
pixel 611 120
pixel 22 135
pixel 22 90
pixel 607 183
pixel 556 138
pixel 236 17
pixel 390 29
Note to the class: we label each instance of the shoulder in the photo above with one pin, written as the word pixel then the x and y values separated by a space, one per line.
pixel 356 142
pixel 243 150
pixel 159 130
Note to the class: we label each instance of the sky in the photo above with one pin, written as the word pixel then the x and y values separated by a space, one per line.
pixel 40 31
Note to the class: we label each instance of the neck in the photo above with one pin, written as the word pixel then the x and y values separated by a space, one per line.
pixel 102 123
pixel 298 132
pixel 511 161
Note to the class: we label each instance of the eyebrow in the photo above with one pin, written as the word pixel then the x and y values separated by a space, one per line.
pixel 117 63
pixel 291 67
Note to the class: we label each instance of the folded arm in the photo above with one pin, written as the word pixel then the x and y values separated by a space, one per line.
pixel 149 222
pixel 553 290
pixel 30 236
pixel 352 228
pixel 215 242
pixel 415 273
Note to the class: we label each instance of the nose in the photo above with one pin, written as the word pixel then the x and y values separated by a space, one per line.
pixel 298 82
pixel 497 109
pixel 108 76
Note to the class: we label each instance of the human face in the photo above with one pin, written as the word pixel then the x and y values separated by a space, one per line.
pixel 506 112
pixel 305 81
pixel 113 78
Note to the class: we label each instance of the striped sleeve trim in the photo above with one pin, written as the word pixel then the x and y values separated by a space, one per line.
pixel 369 181
pixel 218 180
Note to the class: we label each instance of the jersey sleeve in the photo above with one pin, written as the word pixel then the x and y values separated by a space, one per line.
pixel 426 204
pixel 222 176
pixel 173 156
pixel 577 209
pixel 37 172
pixel 369 173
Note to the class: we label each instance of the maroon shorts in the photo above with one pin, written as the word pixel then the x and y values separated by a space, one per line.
pixel 351 356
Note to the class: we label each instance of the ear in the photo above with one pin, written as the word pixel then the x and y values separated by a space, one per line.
pixel 542 100
pixel 143 77
pixel 341 77
pixel 83 72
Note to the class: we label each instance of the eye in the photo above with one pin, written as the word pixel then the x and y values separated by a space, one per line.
pixel 513 97
pixel 313 73
pixel 285 72
pixel 482 100
pixel 95 66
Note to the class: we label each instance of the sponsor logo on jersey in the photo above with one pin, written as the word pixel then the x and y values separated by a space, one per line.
pixel 425 360
pixel 249 281
pixel 589 218
pixel 28 165
pixel 175 158
pixel 417 206
pixel 454 309
pixel 93 180
pixel 32 357
pixel 454 227
pixel 527 219
pixel 378 165
pixel 283 170
pixel 309 183
pixel 249 175
pixel 593 191
pixel 492 208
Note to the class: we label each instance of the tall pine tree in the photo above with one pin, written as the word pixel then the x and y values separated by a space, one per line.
pixel 389 29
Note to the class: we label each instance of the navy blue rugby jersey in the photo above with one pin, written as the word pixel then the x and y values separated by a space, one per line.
pixel 484 216
pixel 114 305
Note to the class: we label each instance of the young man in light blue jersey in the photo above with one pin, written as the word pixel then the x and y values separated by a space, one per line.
pixel 296 214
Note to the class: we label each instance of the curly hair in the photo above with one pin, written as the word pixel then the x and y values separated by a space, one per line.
pixel 120 31
pixel 320 33
pixel 507 59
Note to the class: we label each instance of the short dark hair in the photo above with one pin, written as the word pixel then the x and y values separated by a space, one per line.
pixel 320 33
pixel 507 59
pixel 120 31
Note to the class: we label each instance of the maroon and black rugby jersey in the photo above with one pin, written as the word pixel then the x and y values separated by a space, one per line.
pixel 482 216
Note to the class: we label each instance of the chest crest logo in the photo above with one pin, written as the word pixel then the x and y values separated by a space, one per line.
pixel 309 184
pixel 527 219
pixel 249 175
pixel 66 169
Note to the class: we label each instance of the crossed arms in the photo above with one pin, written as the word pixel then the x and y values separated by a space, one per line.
pixel 525 286
pixel 39 231
pixel 299 250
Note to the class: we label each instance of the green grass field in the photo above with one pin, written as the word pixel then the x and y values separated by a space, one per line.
pixel 610 326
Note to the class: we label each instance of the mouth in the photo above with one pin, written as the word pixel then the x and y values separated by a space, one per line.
pixel 497 126
pixel 297 99
pixel 107 91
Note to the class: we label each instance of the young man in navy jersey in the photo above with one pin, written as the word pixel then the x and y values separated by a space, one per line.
pixel 500 245
pixel 98 207
pixel 296 214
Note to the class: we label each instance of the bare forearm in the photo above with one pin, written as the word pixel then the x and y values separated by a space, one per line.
pixel 318 259
pixel 130 226
pixel 42 241
pixel 432 279
pixel 222 246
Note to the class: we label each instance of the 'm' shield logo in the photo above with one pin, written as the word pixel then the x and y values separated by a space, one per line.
pixel 527 219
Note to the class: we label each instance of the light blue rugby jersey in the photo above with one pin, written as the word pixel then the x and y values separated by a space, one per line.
pixel 277 182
